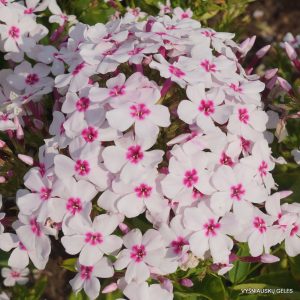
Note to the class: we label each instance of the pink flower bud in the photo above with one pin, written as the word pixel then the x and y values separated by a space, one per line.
pixel 186 282
pixel 284 194
pixel 271 73
pixel 38 124
pixel 2 144
pixel 284 84
pixel 124 228
pixel 290 51
pixel 2 179
pixel 269 258
pixel 263 51
pixel 167 284
pixel 110 288
pixel 26 159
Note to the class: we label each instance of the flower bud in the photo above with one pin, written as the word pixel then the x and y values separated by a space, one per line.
pixel 26 159
pixel 269 258
pixel 186 282
pixel 124 228
pixel 290 51
pixel 110 288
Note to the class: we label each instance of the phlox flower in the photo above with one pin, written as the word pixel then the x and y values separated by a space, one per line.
pixel 142 252
pixel 130 157
pixel 14 275
pixel 87 277
pixel 91 239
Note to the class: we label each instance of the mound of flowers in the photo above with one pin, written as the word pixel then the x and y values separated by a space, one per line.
pixel 158 160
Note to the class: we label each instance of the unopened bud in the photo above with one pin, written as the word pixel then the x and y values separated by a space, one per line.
pixel 26 159
pixel 110 288
pixel 186 282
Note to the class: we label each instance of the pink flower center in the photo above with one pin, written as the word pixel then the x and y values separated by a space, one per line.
pixel 15 274
pixel 82 104
pixel 110 52
pixel 45 193
pixel 263 167
pixel 21 246
pixel 211 227
pixel 86 272
pixel 190 178
pixel 28 11
pixel 117 90
pixel 3 2
pixel 208 66
pixel 90 134
pixel 61 129
pixel 138 253
pixel 134 154
pixel 139 111
pixel 14 32
pixel 4 117
pixel 260 224
pixel 226 160
pixel 74 205
pixel 207 107
pixel 93 238
pixel 245 144
pixel 32 79
pixel 184 15
pixel 143 190
pixel 78 69
pixel 243 115
pixel 178 244
pixel 197 194
pixel 235 87
pixel 82 167
pixel 208 33
pixel 176 71
pixel 35 227
pixel 237 191
pixel 294 230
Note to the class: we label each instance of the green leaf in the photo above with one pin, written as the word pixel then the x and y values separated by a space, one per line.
pixel 241 269
pixel 69 264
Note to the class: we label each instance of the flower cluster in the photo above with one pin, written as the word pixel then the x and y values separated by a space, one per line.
pixel 154 120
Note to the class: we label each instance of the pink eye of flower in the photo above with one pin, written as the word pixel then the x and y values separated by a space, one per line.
pixel 263 167
pixel 178 244
pixel 260 224
pixel 15 274
pixel 176 71
pixel 28 11
pixel 35 227
pixel 21 246
pixel 45 193
pixel 208 33
pixel 143 190
pixel 243 115
pixel 14 32
pixel 138 253
pixel 86 272
pixel 237 191
pixel 32 79
pixel 90 134
pixel 208 66
pixel 207 107
pixel 236 88
pixel 139 111
pixel 294 230
pixel 197 194
pixel 211 227
pixel 4 117
pixel 245 144
pixel 78 68
pixel 82 167
pixel 134 154
pixel 110 52
pixel 117 90
pixel 190 178
pixel 184 15
pixel 226 160
pixel 82 104
pixel 93 238
pixel 74 205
